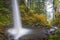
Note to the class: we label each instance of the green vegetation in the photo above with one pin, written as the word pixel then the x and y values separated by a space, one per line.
pixel 56 36
pixel 5 14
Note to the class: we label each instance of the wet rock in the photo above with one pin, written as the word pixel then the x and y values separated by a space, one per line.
pixel 35 35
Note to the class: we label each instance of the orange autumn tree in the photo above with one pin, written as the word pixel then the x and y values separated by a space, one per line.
pixel 35 20
pixel 31 18
pixel 41 19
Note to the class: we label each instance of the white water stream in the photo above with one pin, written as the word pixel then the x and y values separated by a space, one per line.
pixel 49 10
pixel 17 31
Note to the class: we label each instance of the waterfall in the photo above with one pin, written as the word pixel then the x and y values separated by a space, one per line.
pixel 49 10
pixel 16 14
pixel 17 31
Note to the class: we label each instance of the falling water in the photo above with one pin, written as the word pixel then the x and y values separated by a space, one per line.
pixel 49 10
pixel 17 31
pixel 50 14
pixel 16 14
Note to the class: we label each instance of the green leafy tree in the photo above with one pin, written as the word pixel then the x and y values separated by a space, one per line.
pixel 5 13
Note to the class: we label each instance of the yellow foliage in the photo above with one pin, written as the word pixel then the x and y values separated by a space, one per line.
pixel 22 10
pixel 57 19
pixel 31 17
pixel 56 14
pixel 22 7
pixel 56 22
pixel 31 11
pixel 41 17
